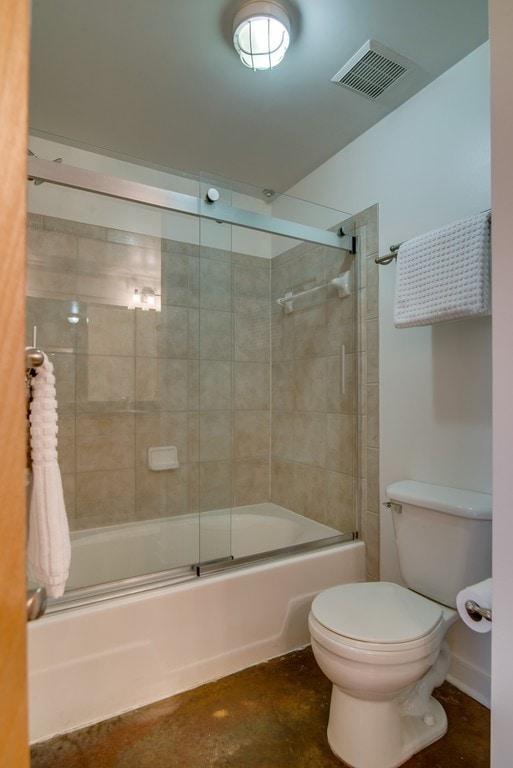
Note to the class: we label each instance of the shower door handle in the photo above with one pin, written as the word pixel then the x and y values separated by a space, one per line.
pixel 36 603
pixel 343 369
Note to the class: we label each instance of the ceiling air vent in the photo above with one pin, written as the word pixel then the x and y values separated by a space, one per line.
pixel 372 70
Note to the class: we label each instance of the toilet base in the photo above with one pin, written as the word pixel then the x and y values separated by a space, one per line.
pixel 369 734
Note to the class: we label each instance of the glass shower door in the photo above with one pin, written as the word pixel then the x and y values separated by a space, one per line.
pixel 215 380
pixel 206 361
pixel 110 288
pixel 277 362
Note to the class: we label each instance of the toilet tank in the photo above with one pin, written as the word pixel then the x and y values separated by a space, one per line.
pixel 443 537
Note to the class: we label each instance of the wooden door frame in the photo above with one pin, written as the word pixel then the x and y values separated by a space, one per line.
pixel 14 67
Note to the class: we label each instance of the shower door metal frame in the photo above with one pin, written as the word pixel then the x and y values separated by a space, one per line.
pixel 137 192
pixel 111 590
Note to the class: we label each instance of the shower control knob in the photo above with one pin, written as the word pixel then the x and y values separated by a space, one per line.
pixel 212 195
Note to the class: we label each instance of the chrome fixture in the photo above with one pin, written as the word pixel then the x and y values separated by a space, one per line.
pixel 36 603
pixel 74 315
pixel 145 299
pixel 384 260
pixel 36 181
pixel 261 34
pixel 476 612
pixel 212 195
pixel 34 357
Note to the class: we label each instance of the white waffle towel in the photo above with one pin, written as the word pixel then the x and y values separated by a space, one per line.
pixel 48 549
pixel 444 274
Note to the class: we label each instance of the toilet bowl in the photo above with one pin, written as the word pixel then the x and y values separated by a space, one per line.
pixel 380 645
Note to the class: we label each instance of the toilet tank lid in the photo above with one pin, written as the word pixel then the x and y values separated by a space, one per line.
pixel 452 501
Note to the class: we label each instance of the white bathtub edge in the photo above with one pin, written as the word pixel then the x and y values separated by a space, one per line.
pixel 93 663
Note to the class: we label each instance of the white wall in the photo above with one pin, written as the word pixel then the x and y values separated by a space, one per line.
pixel 427 164
pixel 501 24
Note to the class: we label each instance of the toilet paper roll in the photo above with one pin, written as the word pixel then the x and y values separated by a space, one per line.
pixel 482 595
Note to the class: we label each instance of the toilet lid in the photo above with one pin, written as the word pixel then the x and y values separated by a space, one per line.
pixel 376 612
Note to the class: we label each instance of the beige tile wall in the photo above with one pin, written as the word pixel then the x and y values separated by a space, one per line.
pixel 317 424
pixel 366 225
pixel 313 414
pixel 197 375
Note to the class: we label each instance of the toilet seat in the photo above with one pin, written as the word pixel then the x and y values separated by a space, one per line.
pixel 377 616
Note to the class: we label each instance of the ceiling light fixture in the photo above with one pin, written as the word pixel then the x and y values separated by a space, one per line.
pixel 261 33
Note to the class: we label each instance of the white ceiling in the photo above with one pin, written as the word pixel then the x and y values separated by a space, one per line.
pixel 159 80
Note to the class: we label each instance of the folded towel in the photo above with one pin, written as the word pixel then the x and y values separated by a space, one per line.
pixel 48 548
pixel 444 274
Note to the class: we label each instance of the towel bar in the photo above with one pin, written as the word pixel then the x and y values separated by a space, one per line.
pixel 341 283
pixel 384 260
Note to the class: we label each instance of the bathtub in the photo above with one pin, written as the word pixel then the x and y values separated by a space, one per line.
pixel 104 555
pixel 96 660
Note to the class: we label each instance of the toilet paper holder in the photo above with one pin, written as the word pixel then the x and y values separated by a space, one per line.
pixel 476 612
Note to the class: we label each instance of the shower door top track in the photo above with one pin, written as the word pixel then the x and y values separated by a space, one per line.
pixel 137 192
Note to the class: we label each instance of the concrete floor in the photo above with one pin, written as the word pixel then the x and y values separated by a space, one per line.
pixel 273 715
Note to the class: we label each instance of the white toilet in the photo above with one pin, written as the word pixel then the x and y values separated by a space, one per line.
pixel 382 645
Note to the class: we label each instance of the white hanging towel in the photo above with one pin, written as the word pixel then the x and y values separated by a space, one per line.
pixel 48 549
pixel 444 274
